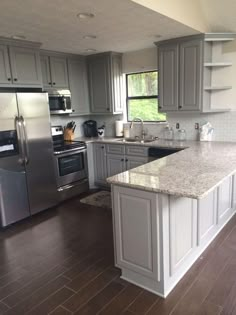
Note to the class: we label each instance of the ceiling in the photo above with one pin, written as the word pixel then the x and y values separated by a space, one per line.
pixel 120 25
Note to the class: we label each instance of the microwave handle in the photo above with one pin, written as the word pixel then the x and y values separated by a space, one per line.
pixel 64 103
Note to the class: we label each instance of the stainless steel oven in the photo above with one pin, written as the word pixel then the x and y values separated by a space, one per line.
pixel 59 102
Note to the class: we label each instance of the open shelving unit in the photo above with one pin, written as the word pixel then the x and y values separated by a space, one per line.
pixel 214 65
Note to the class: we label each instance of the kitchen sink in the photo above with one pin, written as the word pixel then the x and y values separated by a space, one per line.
pixel 136 140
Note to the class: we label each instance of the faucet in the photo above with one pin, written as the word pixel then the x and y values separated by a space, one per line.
pixel 136 119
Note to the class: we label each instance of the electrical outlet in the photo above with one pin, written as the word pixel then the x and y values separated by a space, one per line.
pixel 177 125
pixel 196 126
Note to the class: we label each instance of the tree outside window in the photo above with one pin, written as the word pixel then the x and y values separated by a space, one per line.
pixel 142 96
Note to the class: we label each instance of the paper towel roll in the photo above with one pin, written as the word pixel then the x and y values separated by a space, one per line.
pixel 119 128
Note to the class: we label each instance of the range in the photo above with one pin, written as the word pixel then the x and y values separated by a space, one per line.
pixel 70 165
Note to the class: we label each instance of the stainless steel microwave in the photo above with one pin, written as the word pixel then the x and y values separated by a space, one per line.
pixel 59 102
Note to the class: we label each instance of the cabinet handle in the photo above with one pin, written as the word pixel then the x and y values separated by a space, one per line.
pixel 160 107
pixel 122 160
pixel 9 79
pixel 180 106
pixel 15 79
pixel 54 83
pixel 108 109
pixel 102 147
pixel 50 83
pixel 126 160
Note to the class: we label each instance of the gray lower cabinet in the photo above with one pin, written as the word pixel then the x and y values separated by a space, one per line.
pixel 134 161
pixel 115 164
pixel 5 71
pixel 105 83
pixel 100 164
pixel 78 82
pixel 25 66
pixel 54 71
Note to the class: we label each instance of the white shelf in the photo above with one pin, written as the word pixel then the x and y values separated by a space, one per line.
pixel 217 64
pixel 217 88
pixel 217 110
pixel 219 39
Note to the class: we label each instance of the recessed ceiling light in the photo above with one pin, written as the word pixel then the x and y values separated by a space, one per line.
pixel 85 15
pixel 18 37
pixel 89 36
pixel 91 50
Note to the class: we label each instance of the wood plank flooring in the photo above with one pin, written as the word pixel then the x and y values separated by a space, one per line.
pixel 60 262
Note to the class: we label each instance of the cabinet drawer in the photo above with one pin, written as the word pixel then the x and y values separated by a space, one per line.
pixel 115 149
pixel 136 150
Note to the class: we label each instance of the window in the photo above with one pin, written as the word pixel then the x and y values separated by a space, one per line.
pixel 142 96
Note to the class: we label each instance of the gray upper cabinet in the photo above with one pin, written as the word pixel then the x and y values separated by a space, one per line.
pixel 180 64
pixel 59 72
pixel 54 71
pixel 46 74
pixel 25 66
pixel 168 61
pixel 190 81
pixel 5 71
pixel 105 83
pixel 78 82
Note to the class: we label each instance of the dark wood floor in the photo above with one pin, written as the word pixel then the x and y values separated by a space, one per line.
pixel 61 262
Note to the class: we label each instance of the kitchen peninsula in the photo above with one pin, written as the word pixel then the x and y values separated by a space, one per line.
pixel 166 212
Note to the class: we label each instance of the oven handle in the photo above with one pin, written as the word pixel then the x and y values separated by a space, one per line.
pixel 70 151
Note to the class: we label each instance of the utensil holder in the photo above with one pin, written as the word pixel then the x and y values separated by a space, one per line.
pixel 69 135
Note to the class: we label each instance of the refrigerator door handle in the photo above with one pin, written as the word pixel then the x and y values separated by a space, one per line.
pixel 19 135
pixel 26 146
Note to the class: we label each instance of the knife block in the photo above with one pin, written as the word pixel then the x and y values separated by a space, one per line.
pixel 69 135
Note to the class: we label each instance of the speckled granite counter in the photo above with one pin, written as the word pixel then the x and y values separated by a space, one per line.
pixel 193 172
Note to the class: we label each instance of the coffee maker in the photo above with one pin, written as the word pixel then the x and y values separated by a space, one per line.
pixel 90 128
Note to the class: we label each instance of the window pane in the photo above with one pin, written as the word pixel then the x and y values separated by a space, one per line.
pixel 142 84
pixel 145 109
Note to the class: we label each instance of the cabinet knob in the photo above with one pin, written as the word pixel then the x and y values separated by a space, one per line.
pixel 122 160
pixel 126 160
pixel 180 106
pixel 160 107
pixel 15 79
pixel 54 83
pixel 108 109
pixel 9 79
pixel 102 147
pixel 50 83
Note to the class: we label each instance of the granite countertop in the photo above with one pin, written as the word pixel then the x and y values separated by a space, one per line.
pixel 192 172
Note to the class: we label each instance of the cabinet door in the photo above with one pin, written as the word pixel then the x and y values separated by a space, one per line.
pixel 115 164
pixel 190 83
pixel 25 65
pixel 5 72
pixel 117 82
pixel 100 163
pixel 168 60
pixel 59 72
pixel 134 161
pixel 78 82
pixel 99 84
pixel 46 74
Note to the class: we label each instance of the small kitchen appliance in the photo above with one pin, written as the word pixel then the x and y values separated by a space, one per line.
pixel 90 128
pixel 59 101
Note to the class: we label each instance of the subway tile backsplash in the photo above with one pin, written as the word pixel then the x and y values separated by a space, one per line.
pixel 224 124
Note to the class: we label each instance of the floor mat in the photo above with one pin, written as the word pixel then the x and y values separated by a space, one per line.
pixel 99 199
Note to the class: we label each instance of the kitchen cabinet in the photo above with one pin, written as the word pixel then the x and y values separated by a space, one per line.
pixel 100 164
pixel 105 83
pixel 134 161
pixel 25 66
pixel 54 71
pixel 78 82
pixel 19 66
pixel 186 72
pixel 115 164
pixel 5 72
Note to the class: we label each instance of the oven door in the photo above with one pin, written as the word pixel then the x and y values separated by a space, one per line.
pixel 71 167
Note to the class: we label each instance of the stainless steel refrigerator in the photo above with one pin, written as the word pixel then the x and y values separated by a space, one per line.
pixel 27 179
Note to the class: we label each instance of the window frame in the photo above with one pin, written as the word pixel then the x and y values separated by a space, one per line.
pixel 128 98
